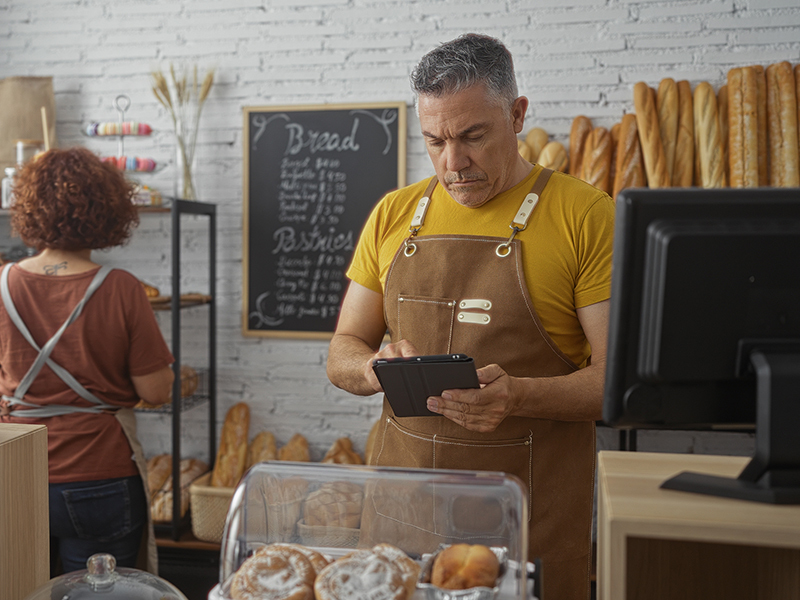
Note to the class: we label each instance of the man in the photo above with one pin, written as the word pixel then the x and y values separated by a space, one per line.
pixel 529 304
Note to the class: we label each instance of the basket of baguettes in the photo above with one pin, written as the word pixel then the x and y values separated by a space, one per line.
pixel 211 494
pixel 744 134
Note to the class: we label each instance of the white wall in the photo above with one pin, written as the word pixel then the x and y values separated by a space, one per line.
pixel 572 57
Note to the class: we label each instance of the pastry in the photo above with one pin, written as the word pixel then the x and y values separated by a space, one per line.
pixel 554 156
pixel 296 449
pixel 334 504
pixel 232 452
pixel 743 159
pixel 668 113
pixel 596 168
pixel 524 151
pixel 683 168
pixel 317 559
pixel 463 566
pixel 784 170
pixel 650 136
pixel 706 131
pixel 409 569
pixel 629 163
pixel 342 453
pixel 261 449
pixel 274 572
pixel 361 575
pixel 579 132
pixel 536 139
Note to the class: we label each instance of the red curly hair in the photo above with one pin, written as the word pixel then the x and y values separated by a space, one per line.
pixel 71 200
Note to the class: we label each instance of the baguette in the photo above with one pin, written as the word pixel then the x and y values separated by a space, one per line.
pixel 650 136
pixel 797 93
pixel 581 128
pixel 629 164
pixel 537 139
pixel 722 113
pixel 683 169
pixel 261 449
pixel 615 129
pixel 761 127
pixel 232 452
pixel 554 156
pixel 597 159
pixel 667 109
pixel 784 170
pixel 712 173
pixel 296 449
pixel 743 156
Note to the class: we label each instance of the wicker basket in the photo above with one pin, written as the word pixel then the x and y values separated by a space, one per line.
pixel 209 509
pixel 336 537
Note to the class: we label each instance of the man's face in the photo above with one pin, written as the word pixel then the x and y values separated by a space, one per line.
pixel 471 139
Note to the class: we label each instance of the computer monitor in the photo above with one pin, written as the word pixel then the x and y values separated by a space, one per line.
pixel 705 326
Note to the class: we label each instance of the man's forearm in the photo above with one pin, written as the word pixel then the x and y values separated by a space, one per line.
pixel 347 357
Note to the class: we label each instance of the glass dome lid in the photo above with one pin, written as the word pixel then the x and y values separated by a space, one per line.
pixel 101 579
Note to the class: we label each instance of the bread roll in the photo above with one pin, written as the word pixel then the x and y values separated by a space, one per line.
pixel 579 132
pixel 668 112
pixel 683 169
pixel 159 468
pixel 712 173
pixel 554 156
pixel 464 566
pixel 296 449
pixel 597 159
pixel 650 136
pixel 261 449
pixel 743 159
pixel 722 112
pixel 537 139
pixel 342 453
pixel 629 163
pixel 334 504
pixel 232 452
pixel 525 151
pixel 784 170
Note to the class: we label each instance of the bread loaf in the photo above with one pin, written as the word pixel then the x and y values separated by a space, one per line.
pixel 537 139
pixel 722 112
pixel 668 112
pixel 334 504
pixel 342 453
pixel 712 173
pixel 650 136
pixel 161 505
pixel 159 468
pixel 524 151
pixel 554 156
pixel 261 449
pixel 629 165
pixel 784 170
pixel 683 168
pixel 232 452
pixel 579 132
pixel 743 156
pixel 296 449
pixel 464 566
pixel 597 159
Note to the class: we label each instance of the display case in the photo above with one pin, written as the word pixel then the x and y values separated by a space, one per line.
pixel 336 510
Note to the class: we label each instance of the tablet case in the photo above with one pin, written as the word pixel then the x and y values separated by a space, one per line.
pixel 407 382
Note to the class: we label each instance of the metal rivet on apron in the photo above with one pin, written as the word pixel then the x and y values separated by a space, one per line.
pixel 401 299
pixel 451 303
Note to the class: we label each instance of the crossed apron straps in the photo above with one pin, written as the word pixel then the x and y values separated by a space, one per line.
pixel 44 356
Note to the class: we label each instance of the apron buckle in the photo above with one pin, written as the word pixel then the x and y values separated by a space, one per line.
pixel 504 249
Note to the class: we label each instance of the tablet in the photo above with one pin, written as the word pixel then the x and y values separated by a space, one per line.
pixel 408 382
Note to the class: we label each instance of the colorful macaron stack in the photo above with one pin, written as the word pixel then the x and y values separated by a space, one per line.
pixel 131 163
pixel 112 128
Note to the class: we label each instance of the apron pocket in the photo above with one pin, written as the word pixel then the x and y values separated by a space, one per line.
pixel 102 512
pixel 426 320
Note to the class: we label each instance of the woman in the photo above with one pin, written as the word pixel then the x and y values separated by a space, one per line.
pixel 80 346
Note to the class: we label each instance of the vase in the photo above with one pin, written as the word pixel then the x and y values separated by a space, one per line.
pixel 185 188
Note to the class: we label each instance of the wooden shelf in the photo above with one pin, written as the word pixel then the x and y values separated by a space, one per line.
pixel 186 541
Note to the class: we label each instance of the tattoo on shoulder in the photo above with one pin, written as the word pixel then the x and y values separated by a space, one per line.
pixel 54 269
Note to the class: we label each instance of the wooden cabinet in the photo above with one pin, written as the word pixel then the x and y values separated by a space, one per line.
pixel 659 544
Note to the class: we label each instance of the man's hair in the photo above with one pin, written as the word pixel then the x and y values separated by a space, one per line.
pixel 463 62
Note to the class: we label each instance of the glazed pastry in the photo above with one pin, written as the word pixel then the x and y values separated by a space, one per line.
pixel 409 569
pixel 463 566
pixel 274 573
pixel 317 560
pixel 361 575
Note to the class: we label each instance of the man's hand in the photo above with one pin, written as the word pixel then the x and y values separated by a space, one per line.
pixel 403 348
pixel 482 409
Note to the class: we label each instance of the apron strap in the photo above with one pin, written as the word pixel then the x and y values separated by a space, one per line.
pixel 46 350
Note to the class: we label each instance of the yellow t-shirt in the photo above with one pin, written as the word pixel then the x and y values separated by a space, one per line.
pixel 566 246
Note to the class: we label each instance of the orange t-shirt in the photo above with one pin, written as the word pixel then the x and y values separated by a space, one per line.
pixel 115 337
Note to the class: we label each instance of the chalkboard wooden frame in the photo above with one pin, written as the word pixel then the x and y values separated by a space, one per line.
pixel 298 158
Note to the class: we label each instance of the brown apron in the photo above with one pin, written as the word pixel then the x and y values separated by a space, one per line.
pixel 467 294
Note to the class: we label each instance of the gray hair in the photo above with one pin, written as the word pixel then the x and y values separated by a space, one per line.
pixel 468 60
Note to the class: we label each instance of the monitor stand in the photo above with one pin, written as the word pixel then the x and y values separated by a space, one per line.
pixel 773 475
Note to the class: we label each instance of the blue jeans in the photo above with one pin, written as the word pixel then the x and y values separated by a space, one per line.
pixel 87 517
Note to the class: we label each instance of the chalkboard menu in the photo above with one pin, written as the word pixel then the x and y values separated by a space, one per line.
pixel 312 175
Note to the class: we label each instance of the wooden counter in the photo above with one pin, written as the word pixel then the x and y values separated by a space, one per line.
pixel 657 544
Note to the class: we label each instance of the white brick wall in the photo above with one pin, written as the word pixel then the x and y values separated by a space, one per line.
pixel 572 57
